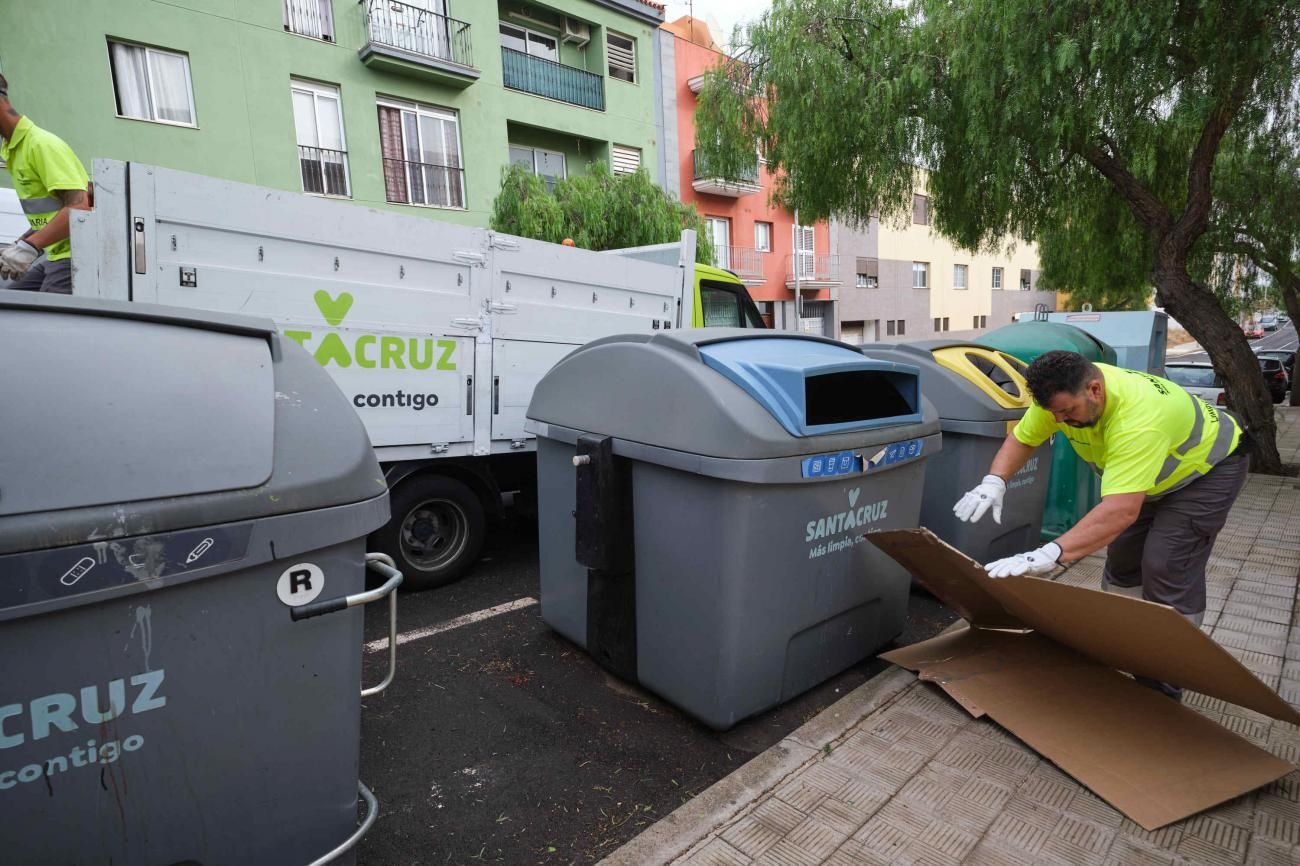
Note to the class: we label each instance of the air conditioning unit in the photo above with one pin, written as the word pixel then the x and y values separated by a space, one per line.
pixel 577 32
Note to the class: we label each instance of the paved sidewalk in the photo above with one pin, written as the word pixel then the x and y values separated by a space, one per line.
pixel 898 773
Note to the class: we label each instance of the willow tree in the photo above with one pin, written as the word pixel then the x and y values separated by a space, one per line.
pixel 597 211
pixel 1090 127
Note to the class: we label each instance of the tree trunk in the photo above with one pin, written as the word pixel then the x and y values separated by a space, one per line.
pixel 1196 309
pixel 1291 298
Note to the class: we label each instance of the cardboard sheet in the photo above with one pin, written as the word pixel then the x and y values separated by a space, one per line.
pixel 1060 690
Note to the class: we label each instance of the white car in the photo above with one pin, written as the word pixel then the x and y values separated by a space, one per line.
pixel 1197 378
pixel 1268 322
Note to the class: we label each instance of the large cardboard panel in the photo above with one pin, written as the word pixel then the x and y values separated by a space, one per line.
pixel 1149 757
pixel 1124 633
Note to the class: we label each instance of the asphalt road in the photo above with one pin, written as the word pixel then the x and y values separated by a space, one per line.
pixel 501 742
pixel 1283 338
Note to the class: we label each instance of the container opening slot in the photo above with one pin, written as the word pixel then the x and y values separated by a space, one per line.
pixel 995 373
pixel 858 395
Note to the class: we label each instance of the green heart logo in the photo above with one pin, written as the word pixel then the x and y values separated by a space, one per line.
pixel 333 309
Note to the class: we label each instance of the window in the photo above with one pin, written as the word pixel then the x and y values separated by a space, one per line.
pixel 622 56
pixel 420 145
pixel 868 273
pixel 889 328
pixel 997 278
pixel 721 305
pixel 895 328
pixel 626 159
pixel 902 328
pixel 718 230
pixel 921 210
pixel 984 321
pixel 980 322
pixel 1024 279
pixel 152 84
pixel 959 276
pixel 805 253
pixel 530 43
pixel 312 18
pixel 322 155
pixel 920 275
pixel 549 165
pixel 945 323
pixel 937 322
pixel 763 237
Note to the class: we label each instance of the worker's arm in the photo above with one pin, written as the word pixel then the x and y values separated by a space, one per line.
pixel 1100 526
pixel 1011 457
pixel 57 229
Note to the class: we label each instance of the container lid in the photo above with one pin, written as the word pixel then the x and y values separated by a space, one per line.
pixel 965 381
pixel 127 419
pixel 1028 340
pixel 729 392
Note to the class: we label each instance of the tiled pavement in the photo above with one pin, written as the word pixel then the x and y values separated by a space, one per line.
pixel 916 780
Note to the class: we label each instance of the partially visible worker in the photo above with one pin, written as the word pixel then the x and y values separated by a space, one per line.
pixel 50 182
pixel 1171 466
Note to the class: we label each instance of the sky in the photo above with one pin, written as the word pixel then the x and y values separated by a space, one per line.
pixel 721 15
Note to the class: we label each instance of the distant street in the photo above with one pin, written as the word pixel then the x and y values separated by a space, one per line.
pixel 1283 338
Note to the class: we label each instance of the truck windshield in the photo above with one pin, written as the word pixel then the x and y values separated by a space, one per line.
pixel 727 305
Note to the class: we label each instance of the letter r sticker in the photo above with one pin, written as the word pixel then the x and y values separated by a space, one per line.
pixel 300 584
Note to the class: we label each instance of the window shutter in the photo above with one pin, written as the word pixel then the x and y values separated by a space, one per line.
pixel 622 57
pixel 920 210
pixel 626 159
pixel 390 148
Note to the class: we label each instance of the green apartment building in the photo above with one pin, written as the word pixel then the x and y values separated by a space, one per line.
pixel 411 105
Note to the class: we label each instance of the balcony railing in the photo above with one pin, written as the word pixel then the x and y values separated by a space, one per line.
pixel 309 18
pixel 552 80
pixel 419 31
pixel 703 170
pixel 324 172
pixel 424 183
pixel 744 262
pixel 812 268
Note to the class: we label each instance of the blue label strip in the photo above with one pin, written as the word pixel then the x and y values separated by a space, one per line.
pixel 848 463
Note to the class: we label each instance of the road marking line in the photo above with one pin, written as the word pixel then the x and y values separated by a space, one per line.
pixel 477 616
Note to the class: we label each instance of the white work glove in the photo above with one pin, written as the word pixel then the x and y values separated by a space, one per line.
pixel 1044 560
pixel 972 506
pixel 16 259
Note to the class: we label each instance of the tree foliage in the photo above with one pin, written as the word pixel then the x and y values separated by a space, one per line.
pixel 597 210
pixel 1089 126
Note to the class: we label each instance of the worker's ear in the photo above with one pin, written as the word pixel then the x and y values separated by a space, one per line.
pixel 1095 389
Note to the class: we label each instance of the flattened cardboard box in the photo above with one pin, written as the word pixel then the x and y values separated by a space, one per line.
pixel 1044 660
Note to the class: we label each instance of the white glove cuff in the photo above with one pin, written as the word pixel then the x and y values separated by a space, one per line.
pixel 1052 550
pixel 995 480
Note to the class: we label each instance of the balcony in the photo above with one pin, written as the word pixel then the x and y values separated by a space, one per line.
pixel 744 262
pixel 711 183
pixel 412 41
pixel 812 271
pixel 552 80
pixel 324 171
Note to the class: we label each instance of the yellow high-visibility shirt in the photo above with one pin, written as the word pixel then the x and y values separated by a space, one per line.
pixel 1153 437
pixel 42 164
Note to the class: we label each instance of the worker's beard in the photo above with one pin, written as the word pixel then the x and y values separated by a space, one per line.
pixel 1094 415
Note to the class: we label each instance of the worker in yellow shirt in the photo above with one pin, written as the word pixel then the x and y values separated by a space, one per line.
pixel 50 182
pixel 1171 466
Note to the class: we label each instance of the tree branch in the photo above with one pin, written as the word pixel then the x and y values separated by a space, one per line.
pixel 1147 208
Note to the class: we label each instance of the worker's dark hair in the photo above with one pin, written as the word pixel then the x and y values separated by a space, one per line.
pixel 1057 371
pixel 4 86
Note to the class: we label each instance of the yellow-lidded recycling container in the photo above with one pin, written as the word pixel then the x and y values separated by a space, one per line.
pixel 980 394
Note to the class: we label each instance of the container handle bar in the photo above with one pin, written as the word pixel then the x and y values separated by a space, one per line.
pixel 383 564
pixel 372 812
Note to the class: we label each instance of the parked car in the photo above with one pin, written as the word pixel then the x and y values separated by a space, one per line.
pixel 1253 332
pixel 1275 377
pixel 1286 356
pixel 1198 378
pixel 1268 322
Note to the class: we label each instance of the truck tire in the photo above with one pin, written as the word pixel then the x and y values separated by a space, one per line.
pixel 436 531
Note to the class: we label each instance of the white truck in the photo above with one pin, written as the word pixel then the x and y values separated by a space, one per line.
pixel 436 332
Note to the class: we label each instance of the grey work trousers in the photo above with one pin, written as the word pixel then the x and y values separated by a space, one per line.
pixel 46 276
pixel 1161 557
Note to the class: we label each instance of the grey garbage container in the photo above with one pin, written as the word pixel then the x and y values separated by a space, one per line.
pixel 707 542
pixel 980 393
pixel 173 488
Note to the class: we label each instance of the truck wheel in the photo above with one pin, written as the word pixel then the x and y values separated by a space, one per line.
pixel 436 530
